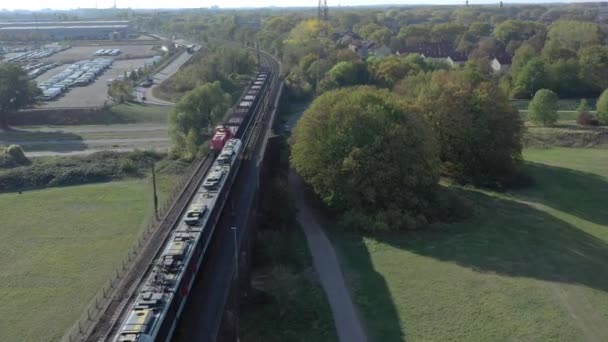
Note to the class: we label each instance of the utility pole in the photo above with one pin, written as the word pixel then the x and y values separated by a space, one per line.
pixel 236 254
pixel 257 47
pixel 323 18
pixel 154 189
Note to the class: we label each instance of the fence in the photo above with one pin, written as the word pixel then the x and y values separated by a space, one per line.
pixel 96 307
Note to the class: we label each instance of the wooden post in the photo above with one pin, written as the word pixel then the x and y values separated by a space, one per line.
pixel 155 196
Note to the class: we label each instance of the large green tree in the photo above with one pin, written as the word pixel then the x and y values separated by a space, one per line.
pixel 532 76
pixel 602 108
pixel 573 35
pixel 345 74
pixel 543 107
pixel 478 130
pixel 194 115
pixel 593 61
pixel 366 155
pixel 16 91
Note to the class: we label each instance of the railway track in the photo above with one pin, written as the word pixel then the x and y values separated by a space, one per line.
pixel 125 290
pixel 203 314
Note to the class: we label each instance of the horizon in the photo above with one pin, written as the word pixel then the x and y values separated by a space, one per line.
pixel 59 5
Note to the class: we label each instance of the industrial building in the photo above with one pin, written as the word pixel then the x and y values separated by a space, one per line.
pixel 64 30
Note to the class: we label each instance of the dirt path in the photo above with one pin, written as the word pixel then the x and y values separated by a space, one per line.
pixel 327 266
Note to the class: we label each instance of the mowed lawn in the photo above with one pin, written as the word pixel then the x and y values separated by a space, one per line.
pixel 530 265
pixel 58 246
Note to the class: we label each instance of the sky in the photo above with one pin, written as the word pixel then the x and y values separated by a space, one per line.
pixel 70 4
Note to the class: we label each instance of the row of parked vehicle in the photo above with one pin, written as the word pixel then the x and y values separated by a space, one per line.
pixel 107 52
pixel 78 74
pixel 36 69
pixel 37 54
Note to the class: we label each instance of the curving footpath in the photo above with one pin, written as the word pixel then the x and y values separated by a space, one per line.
pixel 327 266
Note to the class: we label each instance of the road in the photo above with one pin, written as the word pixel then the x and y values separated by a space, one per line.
pixel 162 75
pixel 327 267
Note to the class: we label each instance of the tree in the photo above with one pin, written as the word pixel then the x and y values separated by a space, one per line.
pixel 478 130
pixel 193 116
pixel 593 61
pixel 573 35
pixel 345 74
pixel 517 30
pixel 543 107
pixel 16 91
pixel 533 75
pixel 602 108
pixel 388 70
pixel 367 156
pixel 121 91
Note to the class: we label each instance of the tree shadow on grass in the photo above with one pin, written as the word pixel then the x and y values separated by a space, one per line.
pixel 377 313
pixel 32 140
pixel 575 192
pixel 513 239
pixel 369 288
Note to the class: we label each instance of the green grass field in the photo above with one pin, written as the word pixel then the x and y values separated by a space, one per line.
pixel 58 246
pixel 132 112
pixel 531 265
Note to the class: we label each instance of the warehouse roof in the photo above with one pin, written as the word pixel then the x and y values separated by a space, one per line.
pixel 64 27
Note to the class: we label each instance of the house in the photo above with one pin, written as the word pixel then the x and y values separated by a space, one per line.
pixel 346 38
pixel 383 51
pixel 602 14
pixel 440 52
pixel 364 48
pixel 500 63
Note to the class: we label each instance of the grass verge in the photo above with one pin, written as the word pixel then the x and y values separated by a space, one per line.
pixel 530 265
pixel 563 104
pixel 57 246
pixel 137 113
pixel 565 134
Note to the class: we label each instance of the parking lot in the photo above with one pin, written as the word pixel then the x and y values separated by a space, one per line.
pixel 94 94
pixel 79 53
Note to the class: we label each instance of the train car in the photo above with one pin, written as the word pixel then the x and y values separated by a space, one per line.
pixel 237 120
pixel 162 297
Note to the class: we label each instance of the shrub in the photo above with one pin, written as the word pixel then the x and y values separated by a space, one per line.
pixel 13 156
pixel 73 170
pixel 587 119
pixel 128 166
pixel 543 107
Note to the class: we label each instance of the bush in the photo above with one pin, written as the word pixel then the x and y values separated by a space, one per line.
pixel 13 156
pixel 587 119
pixel 128 166
pixel 61 171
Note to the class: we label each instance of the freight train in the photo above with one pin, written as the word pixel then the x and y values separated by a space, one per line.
pixel 161 298
pixel 237 120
